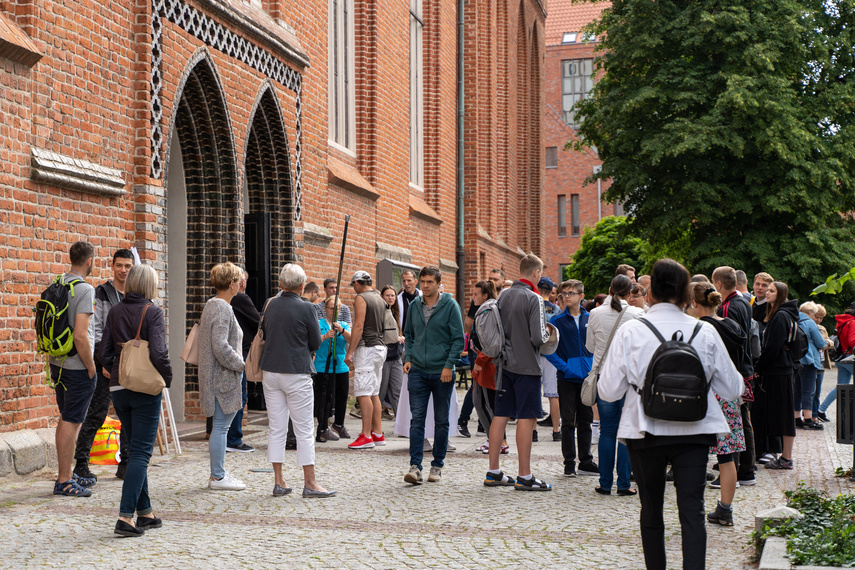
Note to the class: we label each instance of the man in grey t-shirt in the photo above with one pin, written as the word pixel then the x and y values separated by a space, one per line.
pixel 75 377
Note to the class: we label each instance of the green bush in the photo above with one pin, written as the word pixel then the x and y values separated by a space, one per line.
pixel 826 534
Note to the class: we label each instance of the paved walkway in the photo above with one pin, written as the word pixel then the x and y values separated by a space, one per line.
pixel 378 521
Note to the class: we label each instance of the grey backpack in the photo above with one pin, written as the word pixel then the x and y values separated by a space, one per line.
pixel 488 326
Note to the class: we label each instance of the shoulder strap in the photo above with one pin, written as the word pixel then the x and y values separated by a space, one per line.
pixel 649 325
pixel 142 318
pixel 695 332
pixel 612 334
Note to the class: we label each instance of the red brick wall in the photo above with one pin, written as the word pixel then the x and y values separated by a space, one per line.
pixel 573 167
pixel 89 98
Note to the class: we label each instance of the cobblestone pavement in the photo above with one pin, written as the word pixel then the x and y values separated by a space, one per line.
pixel 377 521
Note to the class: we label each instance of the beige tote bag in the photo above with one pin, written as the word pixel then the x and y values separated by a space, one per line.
pixel 256 349
pixel 136 371
pixel 190 352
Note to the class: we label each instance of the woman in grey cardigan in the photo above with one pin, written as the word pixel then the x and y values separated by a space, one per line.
pixel 220 367
pixel 291 335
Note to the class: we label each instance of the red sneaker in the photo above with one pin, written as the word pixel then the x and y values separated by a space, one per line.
pixel 506 449
pixel 362 442
pixel 378 438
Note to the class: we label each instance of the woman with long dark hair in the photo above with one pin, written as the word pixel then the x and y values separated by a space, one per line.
pixel 600 325
pixel 772 412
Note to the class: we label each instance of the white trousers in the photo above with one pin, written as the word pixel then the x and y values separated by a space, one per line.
pixel 290 395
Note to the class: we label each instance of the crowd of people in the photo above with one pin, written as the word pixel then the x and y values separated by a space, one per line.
pixel 403 348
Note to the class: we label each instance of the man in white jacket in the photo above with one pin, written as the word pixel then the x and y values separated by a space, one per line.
pixel 654 443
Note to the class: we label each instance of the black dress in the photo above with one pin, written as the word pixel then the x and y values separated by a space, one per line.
pixel 772 412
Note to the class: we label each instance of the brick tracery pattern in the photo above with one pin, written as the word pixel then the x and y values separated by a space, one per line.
pixel 214 34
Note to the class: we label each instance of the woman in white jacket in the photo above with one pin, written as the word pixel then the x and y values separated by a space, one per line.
pixel 653 443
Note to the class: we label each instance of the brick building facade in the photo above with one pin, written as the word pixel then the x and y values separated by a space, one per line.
pixel 202 131
pixel 570 205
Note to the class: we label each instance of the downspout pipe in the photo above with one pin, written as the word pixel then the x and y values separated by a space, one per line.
pixel 461 251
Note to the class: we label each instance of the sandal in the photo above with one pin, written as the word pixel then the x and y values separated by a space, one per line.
pixel 70 489
pixel 85 482
pixel 627 492
pixel 602 491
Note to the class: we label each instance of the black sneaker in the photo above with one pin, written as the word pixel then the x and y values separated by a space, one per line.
pixel 724 517
pixel 822 416
pixel 716 484
pixel 480 432
pixel 463 429
pixel 589 468
pixel 800 423
pixel 531 484
pixel 242 448
pixel 534 435
pixel 290 444
pixel 545 422
pixel 556 436
pixel 570 470
pixel 812 425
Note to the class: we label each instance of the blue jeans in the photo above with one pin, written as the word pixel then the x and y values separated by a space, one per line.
pixel 610 413
pixel 844 376
pixel 139 414
pixel 820 374
pixel 217 441
pixel 421 386
pixel 805 385
pixel 235 435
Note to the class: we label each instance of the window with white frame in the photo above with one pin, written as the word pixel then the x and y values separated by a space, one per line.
pixel 417 161
pixel 576 83
pixel 342 119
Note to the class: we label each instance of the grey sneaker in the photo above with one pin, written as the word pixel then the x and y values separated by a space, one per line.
pixel 414 477
pixel 724 517
pixel 435 475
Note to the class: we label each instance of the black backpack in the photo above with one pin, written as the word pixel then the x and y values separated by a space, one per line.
pixel 675 386
pixel 835 353
pixel 797 343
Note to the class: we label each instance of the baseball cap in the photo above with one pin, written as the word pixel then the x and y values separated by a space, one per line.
pixel 545 283
pixel 360 276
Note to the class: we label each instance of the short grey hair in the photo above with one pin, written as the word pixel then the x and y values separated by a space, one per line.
pixel 142 279
pixel 291 277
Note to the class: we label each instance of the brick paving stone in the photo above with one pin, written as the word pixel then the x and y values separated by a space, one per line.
pixel 378 521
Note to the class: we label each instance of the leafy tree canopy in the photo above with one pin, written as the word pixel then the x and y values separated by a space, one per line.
pixel 731 121
pixel 603 248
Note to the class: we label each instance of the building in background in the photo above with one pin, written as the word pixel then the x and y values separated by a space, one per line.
pixel 570 205
pixel 203 131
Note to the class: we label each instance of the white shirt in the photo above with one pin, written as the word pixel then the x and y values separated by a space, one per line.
pixel 629 356
pixel 600 325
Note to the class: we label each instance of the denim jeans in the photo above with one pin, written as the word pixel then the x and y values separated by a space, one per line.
pixel 217 442
pixel 235 435
pixel 139 414
pixel 805 384
pixel 844 376
pixel 610 413
pixel 420 387
pixel 815 403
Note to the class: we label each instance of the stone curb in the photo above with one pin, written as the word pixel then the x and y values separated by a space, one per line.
pixel 27 451
pixel 775 557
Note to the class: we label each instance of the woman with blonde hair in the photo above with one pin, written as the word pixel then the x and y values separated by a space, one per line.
pixel 811 367
pixel 138 412
pixel 220 369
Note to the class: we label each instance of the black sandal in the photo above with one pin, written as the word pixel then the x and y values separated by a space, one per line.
pixel 627 492
pixel 70 489
pixel 602 491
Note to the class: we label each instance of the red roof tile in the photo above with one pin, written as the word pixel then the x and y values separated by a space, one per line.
pixel 16 45
pixel 565 16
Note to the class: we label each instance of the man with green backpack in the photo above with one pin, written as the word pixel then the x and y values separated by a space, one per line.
pixel 66 333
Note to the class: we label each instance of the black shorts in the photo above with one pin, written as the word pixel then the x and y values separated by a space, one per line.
pixel 73 393
pixel 519 397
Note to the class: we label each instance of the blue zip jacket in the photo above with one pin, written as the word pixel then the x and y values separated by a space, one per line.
pixel 815 341
pixel 572 359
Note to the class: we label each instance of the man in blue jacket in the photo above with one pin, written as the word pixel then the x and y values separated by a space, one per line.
pixel 573 362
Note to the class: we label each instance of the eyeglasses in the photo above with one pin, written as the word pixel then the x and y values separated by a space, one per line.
pixel 570 294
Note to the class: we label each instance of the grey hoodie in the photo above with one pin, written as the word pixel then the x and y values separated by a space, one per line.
pixel 525 329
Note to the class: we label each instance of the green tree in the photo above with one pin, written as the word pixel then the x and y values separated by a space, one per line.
pixel 731 121
pixel 603 248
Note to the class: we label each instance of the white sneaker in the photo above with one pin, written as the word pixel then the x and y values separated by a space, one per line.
pixel 227 483
pixel 451 447
pixel 595 434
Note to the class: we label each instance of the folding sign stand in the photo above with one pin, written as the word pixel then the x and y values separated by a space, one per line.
pixel 166 410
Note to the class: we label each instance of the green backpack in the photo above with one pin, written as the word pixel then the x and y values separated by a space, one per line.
pixel 54 325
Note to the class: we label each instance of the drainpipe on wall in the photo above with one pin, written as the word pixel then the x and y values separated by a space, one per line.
pixel 597 169
pixel 461 252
